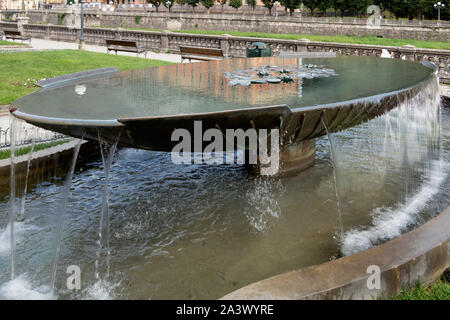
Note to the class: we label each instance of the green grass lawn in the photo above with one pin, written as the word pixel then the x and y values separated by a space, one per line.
pixel 6 153
pixel 11 43
pixel 18 70
pixel 440 290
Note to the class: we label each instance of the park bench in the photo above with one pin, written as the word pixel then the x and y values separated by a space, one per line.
pixel 15 35
pixel 197 53
pixel 125 46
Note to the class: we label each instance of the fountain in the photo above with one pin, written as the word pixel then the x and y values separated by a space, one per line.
pixel 140 226
pixel 149 104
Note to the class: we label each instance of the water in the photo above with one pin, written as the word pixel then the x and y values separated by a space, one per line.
pixel 107 153
pixel 21 216
pixel 62 207
pixel 12 196
pixel 336 187
pixel 200 231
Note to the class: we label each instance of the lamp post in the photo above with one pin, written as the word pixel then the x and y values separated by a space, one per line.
pixel 81 44
pixel 168 3
pixel 438 6
pixel 276 3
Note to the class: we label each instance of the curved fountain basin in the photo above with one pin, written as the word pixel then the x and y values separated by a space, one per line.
pixel 148 104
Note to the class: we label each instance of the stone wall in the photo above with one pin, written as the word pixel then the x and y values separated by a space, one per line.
pixel 425 30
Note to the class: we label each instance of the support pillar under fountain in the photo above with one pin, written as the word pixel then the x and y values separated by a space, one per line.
pixel 293 158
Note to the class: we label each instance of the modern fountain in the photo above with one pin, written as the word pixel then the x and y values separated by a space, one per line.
pixel 149 104
pixel 139 226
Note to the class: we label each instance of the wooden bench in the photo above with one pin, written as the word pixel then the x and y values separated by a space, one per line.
pixel 125 46
pixel 198 53
pixel 15 35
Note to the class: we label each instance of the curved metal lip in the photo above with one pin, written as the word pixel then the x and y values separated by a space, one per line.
pixel 119 122
pixel 63 121
pixel 364 99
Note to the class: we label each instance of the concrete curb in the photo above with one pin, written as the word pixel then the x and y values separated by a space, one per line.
pixel 46 159
pixel 420 255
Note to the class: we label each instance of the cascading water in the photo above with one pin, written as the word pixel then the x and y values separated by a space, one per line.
pixel 412 141
pixel 21 216
pixel 336 186
pixel 12 194
pixel 62 213
pixel 107 153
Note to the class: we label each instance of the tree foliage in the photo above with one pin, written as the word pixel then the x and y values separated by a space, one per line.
pixel 291 5
pixel 398 8
pixel 269 4
pixel 252 3
pixel 156 3
pixel 207 3
pixel 168 4
pixel 235 4
pixel 193 3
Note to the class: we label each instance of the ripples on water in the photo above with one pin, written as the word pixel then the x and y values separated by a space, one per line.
pixel 198 231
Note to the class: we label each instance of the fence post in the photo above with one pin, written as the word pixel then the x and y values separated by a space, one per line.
pixel 302 45
pixel 20 22
pixel 164 41
pixel 225 45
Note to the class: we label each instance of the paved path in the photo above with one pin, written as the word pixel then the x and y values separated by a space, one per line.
pixel 41 44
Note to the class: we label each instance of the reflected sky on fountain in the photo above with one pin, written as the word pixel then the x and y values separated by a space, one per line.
pixel 203 87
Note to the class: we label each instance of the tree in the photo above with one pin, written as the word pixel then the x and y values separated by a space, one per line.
pixel 192 3
pixel 269 5
pixel 222 3
pixel 291 5
pixel 236 4
pixel 207 4
pixel 324 5
pixel 156 3
pixel 251 3
pixel 181 2
pixel 343 5
pixel 168 4
pixel 311 5
pixel 361 6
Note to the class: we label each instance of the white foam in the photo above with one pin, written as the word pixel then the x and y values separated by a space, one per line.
pixel 389 223
pixel 21 288
pixel 262 203
pixel 101 290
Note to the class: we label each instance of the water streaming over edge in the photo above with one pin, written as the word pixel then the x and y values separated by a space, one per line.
pixel 415 122
pixel 12 193
pixel 62 213
pixel 336 186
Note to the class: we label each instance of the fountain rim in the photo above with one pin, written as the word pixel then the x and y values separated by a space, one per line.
pixel 421 254
pixel 120 122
